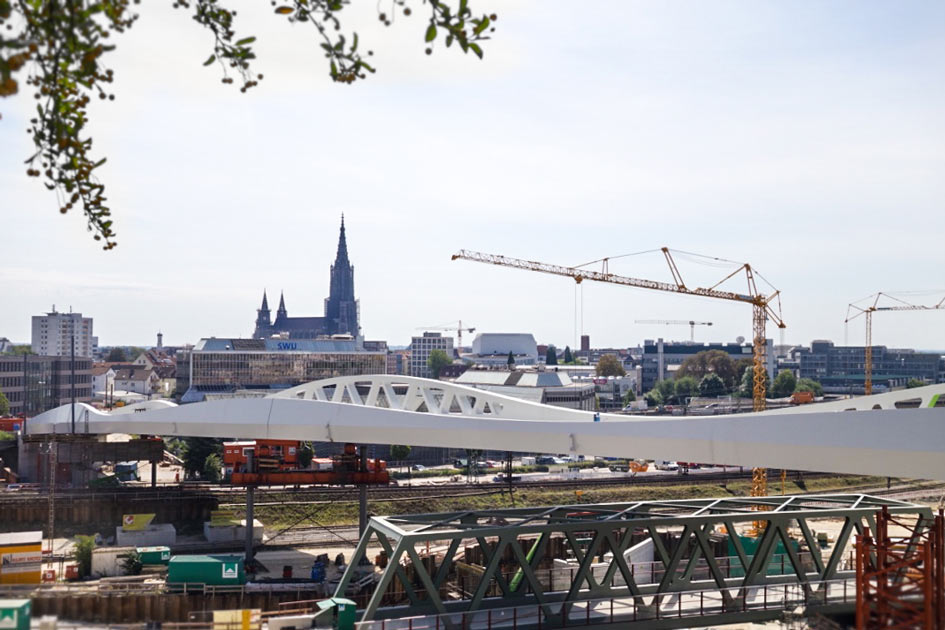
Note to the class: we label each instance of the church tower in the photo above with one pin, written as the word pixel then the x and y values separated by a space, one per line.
pixel 341 308
pixel 263 321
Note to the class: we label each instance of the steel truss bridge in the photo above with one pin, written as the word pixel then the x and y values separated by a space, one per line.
pixel 652 562
pixel 897 434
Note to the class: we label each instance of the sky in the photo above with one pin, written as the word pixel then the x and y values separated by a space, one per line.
pixel 804 137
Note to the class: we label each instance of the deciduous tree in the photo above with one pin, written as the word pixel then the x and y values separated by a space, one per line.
pixel 551 356
pixel 685 387
pixel 710 361
pixel 609 365
pixel 712 385
pixel 809 385
pixel 437 360
pixel 4 405
pixel 62 48
pixel 784 384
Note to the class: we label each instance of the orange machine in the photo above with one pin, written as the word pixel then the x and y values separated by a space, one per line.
pixel 346 469
pixel 269 454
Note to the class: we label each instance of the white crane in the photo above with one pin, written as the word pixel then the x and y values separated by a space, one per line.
pixel 459 332
pixel 677 322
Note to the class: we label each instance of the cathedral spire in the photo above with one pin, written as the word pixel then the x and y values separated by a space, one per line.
pixel 265 303
pixel 342 256
pixel 281 312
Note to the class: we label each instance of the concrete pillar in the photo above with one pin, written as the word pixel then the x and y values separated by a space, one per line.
pixel 153 474
pixel 250 498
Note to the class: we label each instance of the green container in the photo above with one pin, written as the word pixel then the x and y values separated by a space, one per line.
pixel 215 570
pixel 779 564
pixel 342 612
pixel 15 614
pixel 154 555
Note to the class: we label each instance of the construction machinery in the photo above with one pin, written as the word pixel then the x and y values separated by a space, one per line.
pixel 676 322
pixel 763 307
pixel 458 328
pixel 873 306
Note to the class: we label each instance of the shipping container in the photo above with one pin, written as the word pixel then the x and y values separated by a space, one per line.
pixel 215 570
pixel 154 555
pixel 15 614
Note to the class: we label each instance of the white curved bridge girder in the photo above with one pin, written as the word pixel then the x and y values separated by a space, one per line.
pixel 867 435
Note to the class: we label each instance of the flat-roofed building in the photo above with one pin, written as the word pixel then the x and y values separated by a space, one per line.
pixel 228 365
pixel 35 384
pixel 54 333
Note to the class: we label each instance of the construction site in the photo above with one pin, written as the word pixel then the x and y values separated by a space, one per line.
pixel 847 533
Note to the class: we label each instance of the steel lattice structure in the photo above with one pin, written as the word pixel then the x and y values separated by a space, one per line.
pixel 521 536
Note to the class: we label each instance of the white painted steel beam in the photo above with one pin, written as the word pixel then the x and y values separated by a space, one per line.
pixel 866 435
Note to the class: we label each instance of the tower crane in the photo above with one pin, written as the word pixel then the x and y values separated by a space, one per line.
pixel 867 313
pixel 676 322
pixel 458 329
pixel 763 307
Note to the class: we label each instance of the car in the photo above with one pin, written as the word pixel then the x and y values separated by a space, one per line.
pixel 501 478
pixel 544 460
pixel 418 467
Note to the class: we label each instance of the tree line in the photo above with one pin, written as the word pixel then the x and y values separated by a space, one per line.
pixel 713 373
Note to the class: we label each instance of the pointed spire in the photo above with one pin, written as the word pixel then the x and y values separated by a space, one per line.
pixel 342 244
pixel 265 303
pixel 281 303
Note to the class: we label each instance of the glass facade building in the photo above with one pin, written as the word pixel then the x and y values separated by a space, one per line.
pixel 252 370
pixel 227 365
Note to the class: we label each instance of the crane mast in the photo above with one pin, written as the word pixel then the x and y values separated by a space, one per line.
pixel 763 307
pixel 867 313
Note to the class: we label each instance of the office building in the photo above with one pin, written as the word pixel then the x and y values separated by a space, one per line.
pixel 54 333
pixel 34 384
pixel 661 359
pixel 259 366
pixel 841 369
pixel 420 349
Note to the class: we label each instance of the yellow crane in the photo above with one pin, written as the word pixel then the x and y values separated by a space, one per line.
pixel 763 307
pixel 676 322
pixel 867 311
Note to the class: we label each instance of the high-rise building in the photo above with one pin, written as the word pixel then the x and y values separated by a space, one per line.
pixel 341 317
pixel 54 333
pixel 421 348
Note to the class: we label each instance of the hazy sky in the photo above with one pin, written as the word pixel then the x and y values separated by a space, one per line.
pixel 805 137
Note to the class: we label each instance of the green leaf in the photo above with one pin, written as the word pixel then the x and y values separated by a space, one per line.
pixel 476 49
pixel 245 40
pixel 210 60
pixel 481 26
pixel 431 33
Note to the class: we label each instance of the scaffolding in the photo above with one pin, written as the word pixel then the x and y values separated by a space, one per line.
pixel 899 578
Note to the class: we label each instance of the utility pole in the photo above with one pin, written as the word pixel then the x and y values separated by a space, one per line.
pixel 72 375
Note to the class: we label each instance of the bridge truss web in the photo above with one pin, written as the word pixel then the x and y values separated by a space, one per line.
pixel 554 558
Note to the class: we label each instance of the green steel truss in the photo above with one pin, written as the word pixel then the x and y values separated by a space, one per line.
pixel 522 535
